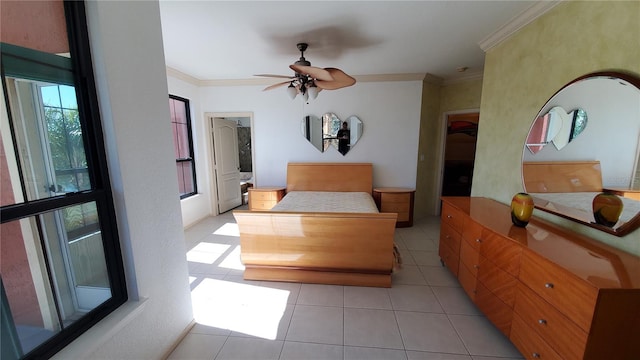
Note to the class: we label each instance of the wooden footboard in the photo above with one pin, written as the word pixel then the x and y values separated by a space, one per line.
pixel 326 248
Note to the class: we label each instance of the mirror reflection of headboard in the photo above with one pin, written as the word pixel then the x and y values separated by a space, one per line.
pixel 562 176
pixel 610 143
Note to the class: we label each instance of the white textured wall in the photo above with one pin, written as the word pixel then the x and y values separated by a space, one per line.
pixel 128 57
pixel 196 207
pixel 390 112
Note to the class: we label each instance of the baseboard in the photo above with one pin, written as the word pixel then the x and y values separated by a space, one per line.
pixel 175 344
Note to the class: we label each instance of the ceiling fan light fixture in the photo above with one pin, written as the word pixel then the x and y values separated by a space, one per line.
pixel 313 91
pixel 292 91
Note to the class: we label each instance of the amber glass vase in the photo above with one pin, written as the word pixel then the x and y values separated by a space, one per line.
pixel 607 209
pixel 521 209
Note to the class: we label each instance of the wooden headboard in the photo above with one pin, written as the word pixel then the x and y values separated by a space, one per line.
pixel 562 176
pixel 330 177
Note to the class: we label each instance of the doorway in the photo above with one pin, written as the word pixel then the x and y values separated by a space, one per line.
pixel 459 153
pixel 232 158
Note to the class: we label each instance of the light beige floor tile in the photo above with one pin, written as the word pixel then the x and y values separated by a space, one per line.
pixel 419 243
pixel 429 332
pixel 408 275
pixel 365 353
pixel 308 351
pixel 414 298
pixel 428 258
pixel 371 328
pixel 250 349
pixel 406 257
pixel 209 330
pixel 293 289
pixel 323 295
pixel 481 337
pixel 423 355
pixel 366 297
pixel 317 324
pixel 455 301
pixel 198 347
pixel 266 327
pixel 439 276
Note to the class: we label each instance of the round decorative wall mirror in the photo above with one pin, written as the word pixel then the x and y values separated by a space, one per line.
pixel 584 141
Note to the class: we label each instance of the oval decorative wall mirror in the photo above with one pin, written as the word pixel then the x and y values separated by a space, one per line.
pixel 331 131
pixel 588 157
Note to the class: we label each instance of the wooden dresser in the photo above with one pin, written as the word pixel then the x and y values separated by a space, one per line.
pixel 265 198
pixel 396 200
pixel 555 294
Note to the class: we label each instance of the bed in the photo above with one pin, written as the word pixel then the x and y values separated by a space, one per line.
pixel 317 244
pixel 567 189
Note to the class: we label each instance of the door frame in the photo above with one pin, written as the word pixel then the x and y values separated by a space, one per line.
pixel 441 150
pixel 213 184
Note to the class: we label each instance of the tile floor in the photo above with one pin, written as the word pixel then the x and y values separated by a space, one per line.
pixel 424 315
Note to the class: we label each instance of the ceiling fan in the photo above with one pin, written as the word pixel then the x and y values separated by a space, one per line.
pixel 309 80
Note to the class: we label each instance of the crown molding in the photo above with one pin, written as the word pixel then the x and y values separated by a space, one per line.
pixel 518 22
pixel 391 77
pixel 471 76
pixel 182 76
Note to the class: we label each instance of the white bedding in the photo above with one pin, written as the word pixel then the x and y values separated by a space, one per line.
pixel 583 201
pixel 327 201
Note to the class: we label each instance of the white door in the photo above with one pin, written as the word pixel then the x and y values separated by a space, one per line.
pixel 227 163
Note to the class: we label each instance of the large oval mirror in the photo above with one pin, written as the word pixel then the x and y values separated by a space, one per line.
pixel 329 131
pixel 594 126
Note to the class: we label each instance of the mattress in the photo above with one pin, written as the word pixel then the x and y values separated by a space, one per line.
pixel 583 201
pixel 327 201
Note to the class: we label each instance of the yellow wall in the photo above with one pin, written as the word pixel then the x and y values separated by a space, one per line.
pixel 522 73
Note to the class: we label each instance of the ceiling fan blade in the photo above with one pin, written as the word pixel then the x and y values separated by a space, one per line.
pixel 340 80
pixel 314 72
pixel 275 76
pixel 274 86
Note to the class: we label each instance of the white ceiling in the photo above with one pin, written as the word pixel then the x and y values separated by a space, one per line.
pixel 218 40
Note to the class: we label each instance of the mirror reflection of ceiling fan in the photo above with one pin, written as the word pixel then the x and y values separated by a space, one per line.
pixel 309 80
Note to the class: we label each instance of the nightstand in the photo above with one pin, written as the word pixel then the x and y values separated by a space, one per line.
pixel 396 200
pixel 265 198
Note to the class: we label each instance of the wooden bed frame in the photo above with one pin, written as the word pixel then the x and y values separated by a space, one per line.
pixel 319 247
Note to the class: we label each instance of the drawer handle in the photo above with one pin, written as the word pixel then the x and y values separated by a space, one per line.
pixel 478 240
pixel 447 237
pixel 476 266
pixel 542 322
pixel 535 355
pixel 548 285
pixel 448 216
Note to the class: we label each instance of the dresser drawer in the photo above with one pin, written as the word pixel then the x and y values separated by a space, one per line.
pixel 450 258
pixel 566 292
pixel 499 313
pixel 450 238
pixel 530 344
pixel 452 216
pixel 557 330
pixel 498 281
pixel 505 253
pixel 469 257
pixel 467 280
pixel 472 233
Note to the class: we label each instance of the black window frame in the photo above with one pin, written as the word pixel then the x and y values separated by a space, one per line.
pixel 191 158
pixel 100 193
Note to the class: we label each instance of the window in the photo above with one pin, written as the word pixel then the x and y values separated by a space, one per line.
pixel 183 144
pixel 60 261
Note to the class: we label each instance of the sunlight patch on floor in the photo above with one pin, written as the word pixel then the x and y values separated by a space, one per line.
pixel 206 253
pixel 249 309
pixel 232 261
pixel 228 229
